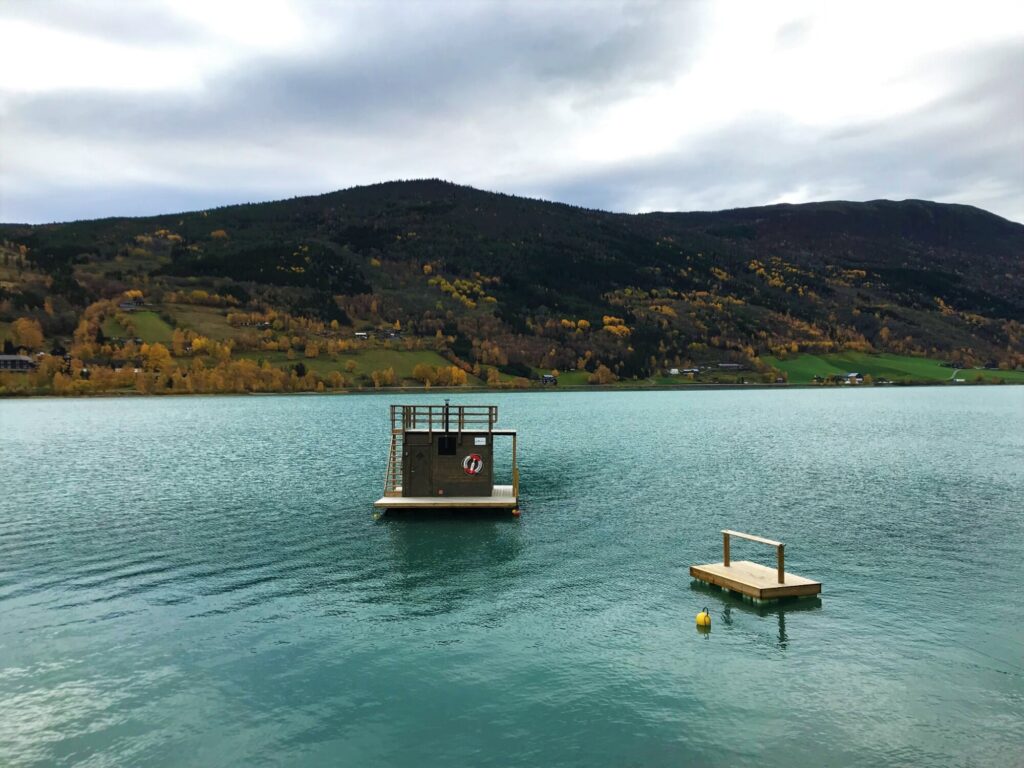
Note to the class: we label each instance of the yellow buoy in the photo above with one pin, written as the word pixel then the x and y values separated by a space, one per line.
pixel 704 618
pixel 516 512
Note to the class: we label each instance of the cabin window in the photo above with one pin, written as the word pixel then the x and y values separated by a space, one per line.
pixel 446 445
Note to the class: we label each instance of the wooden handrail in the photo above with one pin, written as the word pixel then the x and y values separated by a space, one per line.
pixel 780 550
pixel 758 539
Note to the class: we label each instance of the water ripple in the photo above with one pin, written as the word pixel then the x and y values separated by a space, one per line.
pixel 199 581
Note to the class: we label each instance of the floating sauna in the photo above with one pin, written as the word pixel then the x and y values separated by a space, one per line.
pixel 442 457
pixel 753 579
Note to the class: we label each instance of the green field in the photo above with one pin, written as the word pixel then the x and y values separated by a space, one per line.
pixel 580 379
pixel 803 368
pixel 664 380
pixel 113 329
pixel 152 328
pixel 149 327
pixel 573 378
pixel 206 321
pixel 366 361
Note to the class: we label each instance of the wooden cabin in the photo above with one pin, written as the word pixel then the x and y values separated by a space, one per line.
pixel 442 457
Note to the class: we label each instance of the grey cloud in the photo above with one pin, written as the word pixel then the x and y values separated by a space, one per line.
pixel 445 73
pixel 115 22
pixel 124 200
pixel 793 33
pixel 941 151
pixel 413 88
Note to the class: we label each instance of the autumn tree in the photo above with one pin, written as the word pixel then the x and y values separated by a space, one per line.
pixel 602 375
pixel 383 378
pixel 178 342
pixel 28 334
pixel 450 376
pixel 157 356
pixel 427 374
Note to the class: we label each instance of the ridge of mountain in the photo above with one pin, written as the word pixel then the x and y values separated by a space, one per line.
pixel 488 270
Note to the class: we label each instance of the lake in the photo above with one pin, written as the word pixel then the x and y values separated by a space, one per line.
pixel 201 581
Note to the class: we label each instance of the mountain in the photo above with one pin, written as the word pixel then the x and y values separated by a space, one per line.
pixel 524 284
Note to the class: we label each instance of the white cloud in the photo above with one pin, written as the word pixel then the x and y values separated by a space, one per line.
pixel 35 58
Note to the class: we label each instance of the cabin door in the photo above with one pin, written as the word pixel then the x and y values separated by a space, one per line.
pixel 417 459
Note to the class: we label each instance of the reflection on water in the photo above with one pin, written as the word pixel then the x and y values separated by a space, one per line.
pixel 440 548
pixel 728 602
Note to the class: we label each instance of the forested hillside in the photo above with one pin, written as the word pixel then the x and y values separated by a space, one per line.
pixel 475 287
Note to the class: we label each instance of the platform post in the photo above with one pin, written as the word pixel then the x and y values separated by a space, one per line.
pixel 782 563
pixel 515 468
pixel 725 549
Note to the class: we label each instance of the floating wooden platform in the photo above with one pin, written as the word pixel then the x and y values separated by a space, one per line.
pixel 753 579
pixel 501 498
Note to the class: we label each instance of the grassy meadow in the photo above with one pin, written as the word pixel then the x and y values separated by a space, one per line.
pixel 149 327
pixel 366 361
pixel 898 368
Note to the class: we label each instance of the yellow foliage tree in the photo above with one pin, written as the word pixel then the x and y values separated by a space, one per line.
pixel 603 375
pixel 178 342
pixel 28 334
pixel 157 356
pixel 427 374
pixel 384 378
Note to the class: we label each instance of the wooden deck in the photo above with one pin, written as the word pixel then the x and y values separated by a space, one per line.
pixel 502 498
pixel 753 579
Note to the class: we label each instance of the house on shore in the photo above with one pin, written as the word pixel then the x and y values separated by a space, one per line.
pixel 18 363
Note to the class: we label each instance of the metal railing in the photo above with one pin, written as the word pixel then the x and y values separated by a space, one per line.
pixel 443 418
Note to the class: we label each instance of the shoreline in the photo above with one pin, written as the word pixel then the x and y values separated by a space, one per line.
pixel 528 390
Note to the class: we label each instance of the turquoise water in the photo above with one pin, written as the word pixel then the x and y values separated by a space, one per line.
pixel 200 581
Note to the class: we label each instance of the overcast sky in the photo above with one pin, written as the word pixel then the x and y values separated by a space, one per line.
pixel 134 107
